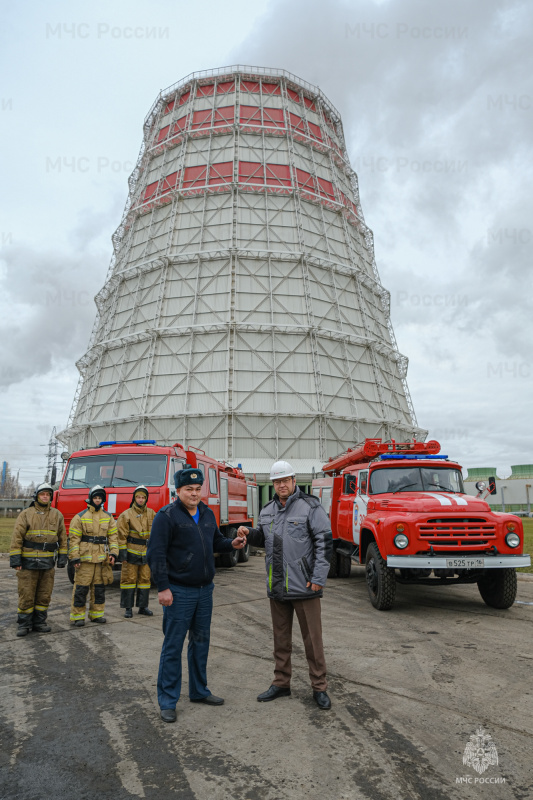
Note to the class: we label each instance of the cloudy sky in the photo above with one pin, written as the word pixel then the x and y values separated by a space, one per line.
pixel 437 106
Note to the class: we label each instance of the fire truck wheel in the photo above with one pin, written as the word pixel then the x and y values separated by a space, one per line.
pixel 244 554
pixel 380 580
pixel 344 565
pixel 334 565
pixel 498 587
pixel 70 572
pixel 230 559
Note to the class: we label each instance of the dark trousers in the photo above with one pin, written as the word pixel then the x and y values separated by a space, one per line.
pixel 190 612
pixel 308 613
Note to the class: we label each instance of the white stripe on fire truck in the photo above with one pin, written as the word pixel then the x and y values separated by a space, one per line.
pixel 444 501
pixel 459 500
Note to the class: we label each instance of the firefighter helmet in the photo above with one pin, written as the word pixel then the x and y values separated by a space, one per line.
pixel 43 487
pixel 97 490
pixel 281 469
pixel 143 490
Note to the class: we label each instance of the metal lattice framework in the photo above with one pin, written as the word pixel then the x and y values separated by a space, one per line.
pixel 243 310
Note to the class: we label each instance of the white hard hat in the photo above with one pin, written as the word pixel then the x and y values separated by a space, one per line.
pixel 281 469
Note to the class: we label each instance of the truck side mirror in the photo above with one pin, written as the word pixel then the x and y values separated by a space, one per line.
pixel 492 485
pixel 350 484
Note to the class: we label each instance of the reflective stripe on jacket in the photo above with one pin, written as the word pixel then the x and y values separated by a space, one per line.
pixel 134 523
pixel 40 524
pixel 92 523
pixel 298 543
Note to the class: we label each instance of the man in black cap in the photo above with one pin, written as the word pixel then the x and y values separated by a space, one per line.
pixel 183 539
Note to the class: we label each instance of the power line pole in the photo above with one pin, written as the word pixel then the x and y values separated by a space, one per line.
pixel 53 447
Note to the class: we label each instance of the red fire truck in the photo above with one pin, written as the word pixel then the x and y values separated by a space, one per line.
pixel 401 510
pixel 121 466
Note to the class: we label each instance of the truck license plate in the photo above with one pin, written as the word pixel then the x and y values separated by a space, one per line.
pixel 465 563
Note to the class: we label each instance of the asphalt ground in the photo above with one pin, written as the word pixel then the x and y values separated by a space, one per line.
pixel 79 715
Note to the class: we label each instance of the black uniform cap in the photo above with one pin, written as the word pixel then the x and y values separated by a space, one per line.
pixel 188 476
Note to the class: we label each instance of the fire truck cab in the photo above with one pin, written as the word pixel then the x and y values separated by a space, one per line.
pixel 121 466
pixel 401 510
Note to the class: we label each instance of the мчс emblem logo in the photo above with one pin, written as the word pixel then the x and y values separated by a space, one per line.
pixel 480 751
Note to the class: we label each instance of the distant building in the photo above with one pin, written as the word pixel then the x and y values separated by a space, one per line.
pixel 514 493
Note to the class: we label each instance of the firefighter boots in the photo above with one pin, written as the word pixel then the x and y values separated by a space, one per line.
pixel 39 622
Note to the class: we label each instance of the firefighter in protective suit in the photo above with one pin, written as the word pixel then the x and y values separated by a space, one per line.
pixel 38 534
pixel 93 548
pixel 134 527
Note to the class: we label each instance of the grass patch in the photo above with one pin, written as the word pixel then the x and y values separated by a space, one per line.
pixel 6 531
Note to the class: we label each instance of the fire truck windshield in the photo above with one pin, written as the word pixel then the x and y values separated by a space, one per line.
pixel 116 470
pixel 416 479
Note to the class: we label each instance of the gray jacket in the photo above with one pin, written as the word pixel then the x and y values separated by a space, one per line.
pixel 298 543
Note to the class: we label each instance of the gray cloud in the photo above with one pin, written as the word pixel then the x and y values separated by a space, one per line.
pixel 437 101
pixel 47 302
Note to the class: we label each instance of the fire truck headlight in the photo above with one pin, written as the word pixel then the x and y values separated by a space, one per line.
pixel 512 539
pixel 401 541
pixel 480 485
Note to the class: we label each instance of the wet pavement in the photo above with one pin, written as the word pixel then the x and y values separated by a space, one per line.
pixel 409 687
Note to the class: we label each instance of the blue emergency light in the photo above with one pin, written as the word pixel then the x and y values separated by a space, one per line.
pixel 409 458
pixel 133 441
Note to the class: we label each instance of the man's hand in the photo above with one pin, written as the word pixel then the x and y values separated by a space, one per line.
pixel 314 586
pixel 242 530
pixel 165 597
pixel 239 542
pixel 111 559
pixel 17 568
pixel 77 565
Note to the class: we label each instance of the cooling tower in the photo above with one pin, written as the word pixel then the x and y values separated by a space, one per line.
pixel 243 311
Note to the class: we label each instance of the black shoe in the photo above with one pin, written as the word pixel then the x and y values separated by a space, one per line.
pixel 322 700
pixel 273 693
pixel 23 631
pixel 42 628
pixel 128 613
pixel 210 700
pixel 168 714
pixel 145 612
pixel 99 620
pixel 80 623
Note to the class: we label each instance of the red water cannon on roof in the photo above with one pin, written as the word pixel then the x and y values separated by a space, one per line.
pixel 375 447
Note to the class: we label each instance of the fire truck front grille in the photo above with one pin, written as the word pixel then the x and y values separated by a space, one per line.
pixel 454 530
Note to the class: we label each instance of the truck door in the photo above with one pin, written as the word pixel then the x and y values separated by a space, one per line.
pixel 224 505
pixel 175 465
pixel 346 506
pixel 359 507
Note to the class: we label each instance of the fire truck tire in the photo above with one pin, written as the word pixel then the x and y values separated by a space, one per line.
pixel 230 559
pixel 244 554
pixel 380 580
pixel 344 565
pixel 334 565
pixel 498 587
pixel 71 572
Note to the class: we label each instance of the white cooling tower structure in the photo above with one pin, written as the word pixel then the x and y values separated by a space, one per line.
pixel 243 311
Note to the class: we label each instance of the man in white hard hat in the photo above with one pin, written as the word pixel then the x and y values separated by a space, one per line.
pixel 295 531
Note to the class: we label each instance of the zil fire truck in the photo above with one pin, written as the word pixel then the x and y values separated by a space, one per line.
pixel 401 510
pixel 121 466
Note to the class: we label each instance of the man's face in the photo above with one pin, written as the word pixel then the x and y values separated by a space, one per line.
pixel 190 495
pixel 140 499
pixel 97 501
pixel 44 497
pixel 284 487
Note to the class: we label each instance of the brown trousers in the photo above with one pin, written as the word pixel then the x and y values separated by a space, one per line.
pixel 35 589
pixel 308 613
